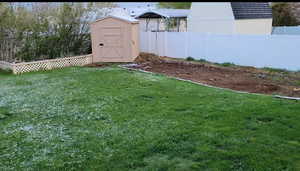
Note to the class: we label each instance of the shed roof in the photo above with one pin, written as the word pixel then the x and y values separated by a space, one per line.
pixel 251 10
pixel 166 13
pixel 124 18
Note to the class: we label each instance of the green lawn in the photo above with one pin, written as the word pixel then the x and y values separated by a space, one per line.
pixel 113 119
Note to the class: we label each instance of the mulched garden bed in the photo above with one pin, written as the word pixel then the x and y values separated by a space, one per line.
pixel 248 79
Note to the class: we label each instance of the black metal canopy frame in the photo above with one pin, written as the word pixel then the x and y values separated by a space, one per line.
pixel 160 18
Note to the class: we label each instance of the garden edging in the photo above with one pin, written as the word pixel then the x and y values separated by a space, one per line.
pixel 206 85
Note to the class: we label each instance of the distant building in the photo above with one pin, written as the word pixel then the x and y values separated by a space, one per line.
pixel 214 17
pixel 163 20
pixel 152 19
pixel 230 17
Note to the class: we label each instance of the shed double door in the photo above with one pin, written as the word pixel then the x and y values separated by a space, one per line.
pixel 110 42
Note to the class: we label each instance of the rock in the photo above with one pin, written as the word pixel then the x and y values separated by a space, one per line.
pixel 147 67
pixel 131 65
pixel 296 89
pixel 262 76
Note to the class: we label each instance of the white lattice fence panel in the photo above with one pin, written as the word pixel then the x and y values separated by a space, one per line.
pixel 27 67
pixel 51 64
pixel 5 65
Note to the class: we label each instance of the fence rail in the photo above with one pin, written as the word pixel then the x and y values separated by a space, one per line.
pixel 18 68
pixel 277 51
pixel 286 30
pixel 6 65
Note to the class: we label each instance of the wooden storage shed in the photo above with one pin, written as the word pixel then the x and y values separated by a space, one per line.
pixel 115 39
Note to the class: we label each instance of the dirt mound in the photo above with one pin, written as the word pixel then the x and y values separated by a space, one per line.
pixel 255 86
pixel 97 65
pixel 148 58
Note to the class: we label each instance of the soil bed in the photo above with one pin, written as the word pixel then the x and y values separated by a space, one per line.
pixel 97 65
pixel 241 78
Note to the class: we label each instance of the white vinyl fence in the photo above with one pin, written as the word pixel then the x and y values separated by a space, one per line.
pixel 277 51
pixel 286 30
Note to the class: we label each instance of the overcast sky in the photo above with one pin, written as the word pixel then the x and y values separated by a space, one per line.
pixel 136 4
pixel 120 4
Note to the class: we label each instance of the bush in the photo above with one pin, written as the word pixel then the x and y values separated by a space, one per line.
pixel 275 70
pixel 202 60
pixel 190 59
pixel 48 31
pixel 227 64
pixel 5 72
pixel 283 15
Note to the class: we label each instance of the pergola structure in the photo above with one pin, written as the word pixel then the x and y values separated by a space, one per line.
pixel 168 16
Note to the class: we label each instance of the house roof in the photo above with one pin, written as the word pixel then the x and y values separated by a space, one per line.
pixel 241 10
pixel 251 10
pixel 166 13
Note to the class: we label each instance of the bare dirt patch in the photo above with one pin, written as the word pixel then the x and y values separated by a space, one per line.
pixel 248 79
pixel 97 65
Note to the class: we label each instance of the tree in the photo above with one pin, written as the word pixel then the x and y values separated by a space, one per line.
pixel 48 30
pixel 175 5
pixel 282 15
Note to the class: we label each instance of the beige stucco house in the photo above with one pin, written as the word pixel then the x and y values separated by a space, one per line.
pixel 213 17
pixel 230 17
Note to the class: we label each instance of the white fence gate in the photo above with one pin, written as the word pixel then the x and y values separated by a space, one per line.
pixel 277 51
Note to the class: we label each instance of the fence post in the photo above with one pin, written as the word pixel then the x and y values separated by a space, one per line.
pixel 48 65
pixel 186 43
pixel 165 44
pixel 204 45
pixel 13 67
pixel 156 43
pixel 148 39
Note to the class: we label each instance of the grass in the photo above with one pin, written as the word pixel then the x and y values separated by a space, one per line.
pixel 113 119
pixel 5 73
pixel 202 60
pixel 230 64
pixel 276 70
pixel 196 60
pixel 225 64
pixel 190 59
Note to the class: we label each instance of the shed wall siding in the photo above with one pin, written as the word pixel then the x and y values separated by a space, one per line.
pixel 135 41
pixel 97 35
